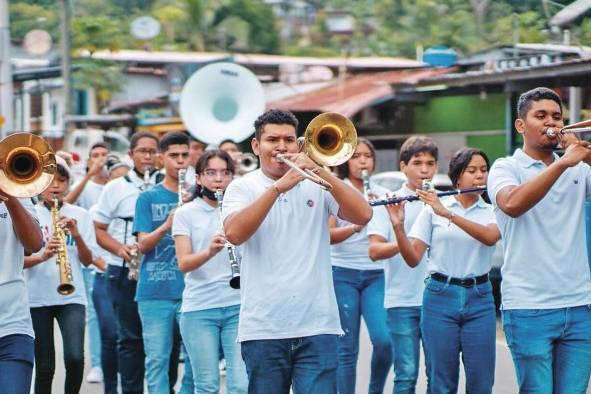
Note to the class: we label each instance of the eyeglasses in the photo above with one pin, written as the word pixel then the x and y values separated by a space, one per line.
pixel 144 151
pixel 213 173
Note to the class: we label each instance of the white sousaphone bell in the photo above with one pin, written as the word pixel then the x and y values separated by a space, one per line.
pixel 221 101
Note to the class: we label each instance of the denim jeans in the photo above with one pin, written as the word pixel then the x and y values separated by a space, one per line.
pixel 160 330
pixel 361 293
pixel 70 318
pixel 309 363
pixel 202 333
pixel 108 333
pixel 551 348
pixel 405 337
pixel 92 324
pixel 454 320
pixel 17 353
pixel 130 347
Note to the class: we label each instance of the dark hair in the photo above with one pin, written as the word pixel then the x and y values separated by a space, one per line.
pixel 133 141
pixel 227 141
pixel 460 160
pixel 202 164
pixel 98 145
pixel 537 94
pixel 343 169
pixel 172 138
pixel 274 116
pixel 61 170
pixel 417 144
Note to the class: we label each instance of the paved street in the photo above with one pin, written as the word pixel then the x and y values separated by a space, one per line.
pixel 504 375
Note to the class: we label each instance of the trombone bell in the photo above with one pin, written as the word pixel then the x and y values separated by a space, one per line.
pixel 27 165
pixel 330 139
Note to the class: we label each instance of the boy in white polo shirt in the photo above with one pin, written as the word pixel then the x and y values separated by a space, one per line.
pixel 539 201
pixel 289 319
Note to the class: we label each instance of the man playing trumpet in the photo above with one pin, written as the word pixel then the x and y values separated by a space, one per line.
pixel 289 319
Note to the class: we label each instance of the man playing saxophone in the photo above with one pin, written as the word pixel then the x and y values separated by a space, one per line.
pixel 56 292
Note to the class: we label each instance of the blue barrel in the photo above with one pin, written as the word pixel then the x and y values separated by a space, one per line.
pixel 588 229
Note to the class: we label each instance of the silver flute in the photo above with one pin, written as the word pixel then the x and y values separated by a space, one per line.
pixel 414 197
pixel 181 178
pixel 234 266
pixel 365 179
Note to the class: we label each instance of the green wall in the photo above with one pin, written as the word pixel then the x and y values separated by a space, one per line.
pixel 492 145
pixel 460 113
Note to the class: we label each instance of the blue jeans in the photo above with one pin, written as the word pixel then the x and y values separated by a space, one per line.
pixel 454 320
pixel 160 327
pixel 551 348
pixel 310 363
pixel 130 347
pixel 405 337
pixel 202 333
pixel 70 318
pixel 108 333
pixel 92 324
pixel 16 363
pixel 361 293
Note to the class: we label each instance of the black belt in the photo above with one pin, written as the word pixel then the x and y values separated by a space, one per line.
pixel 464 282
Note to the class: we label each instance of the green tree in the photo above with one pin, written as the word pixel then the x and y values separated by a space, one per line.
pixel 25 17
pixel 92 33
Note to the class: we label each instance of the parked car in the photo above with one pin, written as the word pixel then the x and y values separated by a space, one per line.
pixel 393 180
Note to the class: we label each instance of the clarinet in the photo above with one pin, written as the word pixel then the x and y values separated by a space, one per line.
pixel 235 268
pixel 414 197
pixel 365 178
pixel 181 179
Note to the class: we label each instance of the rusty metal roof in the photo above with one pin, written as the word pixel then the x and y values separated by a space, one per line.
pixel 354 93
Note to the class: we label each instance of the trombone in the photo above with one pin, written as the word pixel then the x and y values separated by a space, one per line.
pixel 330 139
pixel 27 165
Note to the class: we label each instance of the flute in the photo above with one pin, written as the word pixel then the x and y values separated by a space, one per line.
pixel 414 197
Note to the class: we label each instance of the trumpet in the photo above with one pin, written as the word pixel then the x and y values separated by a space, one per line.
pixel 330 139
pixel 575 128
pixel 234 266
pixel 414 197
pixel 66 286
pixel 27 165
pixel 247 162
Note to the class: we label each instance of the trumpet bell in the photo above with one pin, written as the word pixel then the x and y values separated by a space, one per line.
pixel 27 165
pixel 330 139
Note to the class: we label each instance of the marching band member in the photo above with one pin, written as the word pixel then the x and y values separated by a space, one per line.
pixel 539 200
pixel 404 285
pixel 196 149
pixel 85 194
pixel 43 278
pixel 160 284
pixel 210 306
pixel 113 218
pixel 289 319
pixel 458 314
pixel 359 283
pixel 19 235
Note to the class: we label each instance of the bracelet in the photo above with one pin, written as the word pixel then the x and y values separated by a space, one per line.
pixel 451 217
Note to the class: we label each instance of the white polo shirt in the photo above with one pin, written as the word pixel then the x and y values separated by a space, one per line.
pixel 116 204
pixel 352 253
pixel 451 250
pixel 545 262
pixel 209 285
pixel 15 317
pixel 286 276
pixel 404 285
pixel 43 279
pixel 90 194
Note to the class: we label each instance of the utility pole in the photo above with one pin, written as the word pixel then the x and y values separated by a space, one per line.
pixel 66 11
pixel 6 102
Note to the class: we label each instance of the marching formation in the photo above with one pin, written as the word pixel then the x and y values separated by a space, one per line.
pixel 265 274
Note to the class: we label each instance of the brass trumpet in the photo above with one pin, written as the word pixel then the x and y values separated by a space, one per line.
pixel 330 139
pixel 575 128
pixel 27 165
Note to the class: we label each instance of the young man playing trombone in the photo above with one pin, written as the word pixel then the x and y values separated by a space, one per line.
pixel 289 319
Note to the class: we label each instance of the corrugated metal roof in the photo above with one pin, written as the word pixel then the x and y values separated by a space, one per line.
pixel 255 59
pixel 350 96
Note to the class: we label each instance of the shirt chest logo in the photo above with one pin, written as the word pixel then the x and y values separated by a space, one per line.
pixel 4 215
pixel 310 203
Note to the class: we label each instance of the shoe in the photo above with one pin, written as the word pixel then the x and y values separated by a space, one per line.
pixel 223 367
pixel 95 375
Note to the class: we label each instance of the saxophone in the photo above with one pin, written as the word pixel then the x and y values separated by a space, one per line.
pixel 66 286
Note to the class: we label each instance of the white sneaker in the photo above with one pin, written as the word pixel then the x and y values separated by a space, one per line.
pixel 95 375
